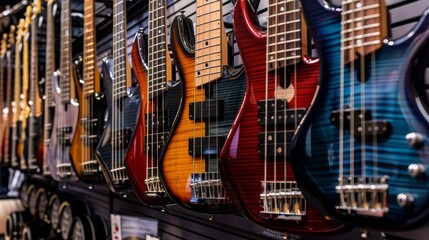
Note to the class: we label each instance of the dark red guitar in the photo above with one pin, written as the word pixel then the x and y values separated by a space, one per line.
pixel 281 83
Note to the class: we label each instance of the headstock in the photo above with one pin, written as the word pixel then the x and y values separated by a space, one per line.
pixel 37 8
pixel 3 45
pixel 20 31
pixel 12 34
pixel 28 17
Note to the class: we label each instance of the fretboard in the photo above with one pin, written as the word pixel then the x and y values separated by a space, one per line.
pixel 9 80
pixel 89 53
pixel 65 55
pixel 364 26
pixel 119 49
pixel 210 45
pixel 2 84
pixel 157 48
pixel 34 73
pixel 17 77
pixel 50 58
pixel 283 33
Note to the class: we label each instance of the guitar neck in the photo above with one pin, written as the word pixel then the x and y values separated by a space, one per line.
pixel 17 79
pixel 283 34
pixel 210 42
pixel 36 108
pixel 364 26
pixel 158 64
pixel 65 59
pixel 50 58
pixel 120 72
pixel 89 64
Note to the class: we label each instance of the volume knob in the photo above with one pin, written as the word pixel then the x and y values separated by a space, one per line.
pixel 414 139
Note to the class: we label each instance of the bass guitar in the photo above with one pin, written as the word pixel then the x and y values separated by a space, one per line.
pixel 49 102
pixel 7 113
pixel 25 109
pixel 360 154
pixel 66 106
pixel 123 104
pixel 189 168
pixel 92 106
pixel 161 100
pixel 33 147
pixel 282 79
pixel 15 127
pixel 3 119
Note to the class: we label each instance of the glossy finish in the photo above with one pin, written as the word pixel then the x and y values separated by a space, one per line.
pixel 389 95
pixel 130 112
pixel 138 162
pixel 177 164
pixel 241 166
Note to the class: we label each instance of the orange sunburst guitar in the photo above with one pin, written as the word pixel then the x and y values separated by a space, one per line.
pixel 92 106
pixel 161 102
pixel 211 101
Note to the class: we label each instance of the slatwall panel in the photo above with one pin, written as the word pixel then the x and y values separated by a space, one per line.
pixel 174 222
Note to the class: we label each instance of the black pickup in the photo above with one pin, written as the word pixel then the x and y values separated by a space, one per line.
pixel 121 138
pixel 205 146
pixel 267 146
pixel 275 112
pixel 363 125
pixel 210 109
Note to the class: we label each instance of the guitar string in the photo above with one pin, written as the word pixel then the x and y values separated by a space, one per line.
pixel 265 120
pixel 341 114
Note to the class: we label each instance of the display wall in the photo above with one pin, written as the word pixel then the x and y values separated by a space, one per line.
pixel 107 173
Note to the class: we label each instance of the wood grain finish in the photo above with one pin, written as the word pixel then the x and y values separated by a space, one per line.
pixel 177 165
pixel 241 166
pixel 92 106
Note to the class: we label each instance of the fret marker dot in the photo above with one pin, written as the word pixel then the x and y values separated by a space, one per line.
pixel 282 9
pixel 159 31
pixel 359 5
pixel 207 64
pixel 207 43
pixel 282 39
pixel 198 73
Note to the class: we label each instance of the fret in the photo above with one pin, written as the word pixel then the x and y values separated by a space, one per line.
pixel 210 42
pixel 364 26
pixel 283 34
pixel 157 48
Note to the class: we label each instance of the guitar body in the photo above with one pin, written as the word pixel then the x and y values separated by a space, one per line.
pixel 14 144
pixel 63 130
pixel 130 112
pixel 381 161
pixel 82 151
pixel 34 153
pixel 141 164
pixel 179 164
pixel 242 168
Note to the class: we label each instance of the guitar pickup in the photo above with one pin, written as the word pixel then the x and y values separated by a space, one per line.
pixel 210 109
pixel 121 138
pixel 64 130
pixel 155 143
pixel 275 112
pixel 273 144
pixel 205 146
pixel 156 121
pixel 370 129
pixel 349 115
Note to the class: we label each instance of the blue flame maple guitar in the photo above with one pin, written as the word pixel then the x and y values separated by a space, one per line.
pixel 361 153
